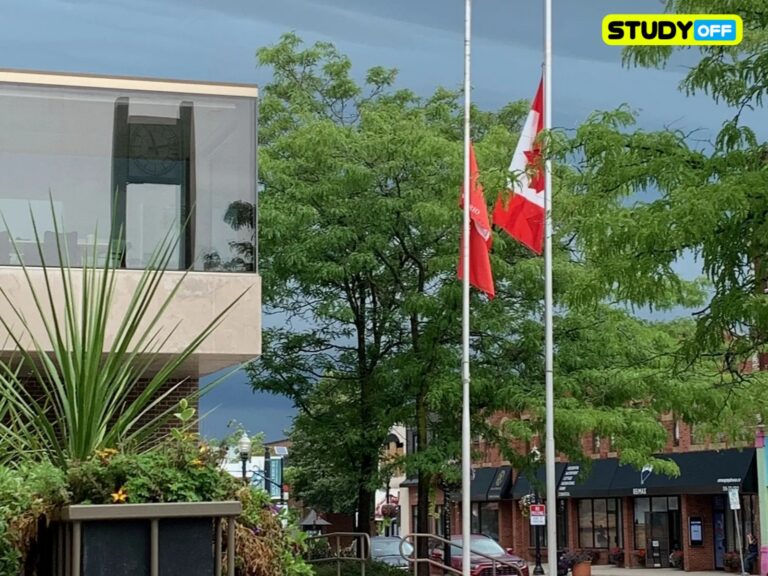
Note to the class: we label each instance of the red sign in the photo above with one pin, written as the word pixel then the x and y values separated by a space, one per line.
pixel 538 514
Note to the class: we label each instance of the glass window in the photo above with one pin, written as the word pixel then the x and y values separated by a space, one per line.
pixel 149 162
pixel 475 517
pixel 586 525
pixel 600 523
pixel 642 508
pixel 489 519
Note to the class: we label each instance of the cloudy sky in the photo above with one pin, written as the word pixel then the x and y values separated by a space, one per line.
pixel 216 40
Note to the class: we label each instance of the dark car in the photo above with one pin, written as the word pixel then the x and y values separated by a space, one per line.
pixel 387 549
pixel 480 565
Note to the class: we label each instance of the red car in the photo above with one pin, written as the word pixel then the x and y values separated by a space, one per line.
pixel 480 565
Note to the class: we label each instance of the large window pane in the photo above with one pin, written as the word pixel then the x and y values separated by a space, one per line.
pixel 600 518
pixel 586 526
pixel 642 507
pixel 489 519
pixel 148 162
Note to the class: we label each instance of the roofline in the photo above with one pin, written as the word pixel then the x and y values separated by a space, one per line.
pixel 34 77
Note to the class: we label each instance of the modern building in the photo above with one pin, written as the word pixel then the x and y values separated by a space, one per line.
pixel 645 518
pixel 152 157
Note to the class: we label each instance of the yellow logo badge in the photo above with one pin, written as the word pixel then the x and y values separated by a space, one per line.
pixel 672 29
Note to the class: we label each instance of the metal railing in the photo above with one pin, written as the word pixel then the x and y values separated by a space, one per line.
pixel 353 553
pixel 494 562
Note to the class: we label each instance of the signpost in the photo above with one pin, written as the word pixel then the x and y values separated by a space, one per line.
pixel 735 504
pixel 538 515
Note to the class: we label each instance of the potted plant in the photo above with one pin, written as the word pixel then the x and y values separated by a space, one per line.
pixel 639 557
pixel 616 556
pixel 676 559
pixel 732 561
pixel 579 562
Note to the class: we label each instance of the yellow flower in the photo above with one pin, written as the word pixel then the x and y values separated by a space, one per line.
pixel 197 462
pixel 106 453
pixel 119 496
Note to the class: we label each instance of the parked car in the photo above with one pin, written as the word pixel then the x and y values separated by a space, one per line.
pixel 480 565
pixel 387 549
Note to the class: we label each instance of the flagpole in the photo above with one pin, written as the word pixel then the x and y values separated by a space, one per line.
pixel 548 304
pixel 466 456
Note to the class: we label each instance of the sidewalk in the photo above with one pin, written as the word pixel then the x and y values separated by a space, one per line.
pixel 612 570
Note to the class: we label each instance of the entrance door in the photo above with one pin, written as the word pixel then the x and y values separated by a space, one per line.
pixel 719 521
pixel 657 542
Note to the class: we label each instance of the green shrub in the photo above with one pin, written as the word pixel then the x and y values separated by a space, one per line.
pixel 349 568
pixel 27 494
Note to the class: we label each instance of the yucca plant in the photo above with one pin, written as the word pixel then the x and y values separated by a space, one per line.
pixel 91 398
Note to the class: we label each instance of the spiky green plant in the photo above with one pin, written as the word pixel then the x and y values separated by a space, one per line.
pixel 96 393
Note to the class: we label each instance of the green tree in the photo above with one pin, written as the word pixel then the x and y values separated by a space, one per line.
pixel 641 201
pixel 359 243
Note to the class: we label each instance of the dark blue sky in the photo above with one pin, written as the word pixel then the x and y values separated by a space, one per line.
pixel 216 40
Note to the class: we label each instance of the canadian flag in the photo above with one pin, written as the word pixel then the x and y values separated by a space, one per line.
pixel 523 217
pixel 480 238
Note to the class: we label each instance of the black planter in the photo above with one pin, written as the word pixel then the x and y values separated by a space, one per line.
pixel 180 539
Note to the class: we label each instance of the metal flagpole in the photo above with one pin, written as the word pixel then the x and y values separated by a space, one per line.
pixel 466 463
pixel 548 335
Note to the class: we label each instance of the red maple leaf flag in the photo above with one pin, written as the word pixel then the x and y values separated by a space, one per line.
pixel 523 217
pixel 480 239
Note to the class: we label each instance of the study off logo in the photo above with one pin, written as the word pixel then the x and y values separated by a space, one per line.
pixel 672 29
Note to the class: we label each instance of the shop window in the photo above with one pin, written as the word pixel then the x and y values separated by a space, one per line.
pixel 697 436
pixel 676 433
pixel 600 523
pixel 489 519
pixel 562 527
pixel 475 517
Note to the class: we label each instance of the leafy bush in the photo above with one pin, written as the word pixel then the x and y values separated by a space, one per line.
pixel 28 493
pixel 348 568
pixel 268 541
pixel 182 468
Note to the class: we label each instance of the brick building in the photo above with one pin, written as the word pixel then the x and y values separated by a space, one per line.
pixel 612 509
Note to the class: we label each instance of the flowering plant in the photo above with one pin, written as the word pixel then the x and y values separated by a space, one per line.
pixel 525 504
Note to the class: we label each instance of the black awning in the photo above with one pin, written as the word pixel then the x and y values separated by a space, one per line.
pixel 523 485
pixel 501 486
pixel 577 482
pixel 410 482
pixel 481 483
pixel 708 472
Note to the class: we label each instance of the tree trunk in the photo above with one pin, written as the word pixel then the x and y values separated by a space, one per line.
pixel 425 482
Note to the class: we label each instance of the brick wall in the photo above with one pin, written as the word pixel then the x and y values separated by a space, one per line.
pixel 184 389
pixel 702 557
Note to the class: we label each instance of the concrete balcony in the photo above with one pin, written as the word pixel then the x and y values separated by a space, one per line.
pixel 200 298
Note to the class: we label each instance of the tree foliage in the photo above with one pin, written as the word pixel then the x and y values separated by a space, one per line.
pixel 639 202
pixel 359 239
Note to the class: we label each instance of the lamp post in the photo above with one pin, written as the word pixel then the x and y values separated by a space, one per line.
pixel 267 472
pixel 538 570
pixel 244 448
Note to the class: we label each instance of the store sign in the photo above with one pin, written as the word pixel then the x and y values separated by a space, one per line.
pixel 538 514
pixel 733 498
pixel 569 479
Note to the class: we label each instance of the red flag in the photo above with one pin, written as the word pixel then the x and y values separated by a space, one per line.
pixel 523 218
pixel 480 239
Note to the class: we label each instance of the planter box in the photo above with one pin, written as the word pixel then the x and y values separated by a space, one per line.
pixel 175 539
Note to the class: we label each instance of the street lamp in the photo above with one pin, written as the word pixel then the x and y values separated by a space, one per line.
pixel 244 448
pixel 538 570
pixel 268 472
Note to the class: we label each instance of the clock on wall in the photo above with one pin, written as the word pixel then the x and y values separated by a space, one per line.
pixel 154 149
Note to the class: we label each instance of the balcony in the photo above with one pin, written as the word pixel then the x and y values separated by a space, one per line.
pixel 137 158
